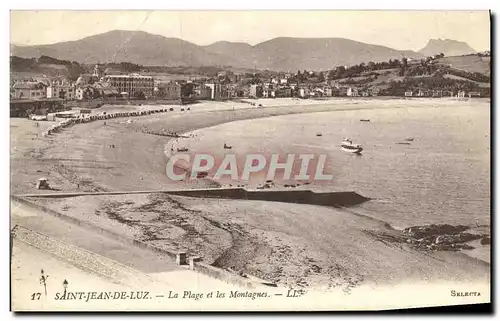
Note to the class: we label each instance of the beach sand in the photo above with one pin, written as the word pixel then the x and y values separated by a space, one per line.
pixel 299 245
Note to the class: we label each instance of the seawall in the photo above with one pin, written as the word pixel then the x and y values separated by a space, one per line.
pixel 334 199
pixel 196 263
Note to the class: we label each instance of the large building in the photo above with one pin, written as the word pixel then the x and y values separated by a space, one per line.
pixel 134 85
pixel 218 91
pixel 26 107
pixel 29 90
pixel 202 92
pixel 59 89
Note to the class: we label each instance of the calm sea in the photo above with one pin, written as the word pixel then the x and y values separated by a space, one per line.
pixel 442 176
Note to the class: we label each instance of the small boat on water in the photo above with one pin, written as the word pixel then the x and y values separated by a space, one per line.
pixel 349 147
pixel 365 120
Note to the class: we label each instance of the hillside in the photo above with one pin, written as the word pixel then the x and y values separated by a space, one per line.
pixel 285 54
pixel 133 46
pixel 469 63
pixel 447 46
pixel 322 53
pixel 292 54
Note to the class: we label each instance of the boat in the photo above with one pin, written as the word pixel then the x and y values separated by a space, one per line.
pixel 348 146
pixel 365 120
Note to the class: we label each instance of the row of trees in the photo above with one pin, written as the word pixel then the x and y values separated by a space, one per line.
pixel 397 88
pixel 476 76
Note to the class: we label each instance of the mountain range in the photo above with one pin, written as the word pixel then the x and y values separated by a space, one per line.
pixel 447 46
pixel 282 54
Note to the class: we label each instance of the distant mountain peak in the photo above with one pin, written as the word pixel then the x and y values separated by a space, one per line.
pixel 281 53
pixel 449 47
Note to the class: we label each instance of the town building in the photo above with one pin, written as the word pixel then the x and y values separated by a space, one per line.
pixel 202 92
pixel 134 85
pixel 284 92
pixel 461 94
pixel 215 91
pixel 218 91
pixel 352 92
pixel 86 79
pixel 341 90
pixel 269 92
pixel 421 93
pixel 29 90
pixel 61 89
pixel 170 90
pixel 408 93
pixel 328 91
pixel 104 90
pixel 375 91
pixel 26 107
pixel 304 92
pixel 96 90
pixel 437 93
pixel 317 92
pixel 98 73
pixel 255 91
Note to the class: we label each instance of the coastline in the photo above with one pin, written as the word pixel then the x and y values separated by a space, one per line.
pixel 138 163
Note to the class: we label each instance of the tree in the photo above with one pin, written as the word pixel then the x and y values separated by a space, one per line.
pixel 187 90
pixel 139 95
pixel 321 77
pixel 330 75
pixel 339 71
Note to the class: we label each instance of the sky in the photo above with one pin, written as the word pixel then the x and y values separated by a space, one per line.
pixel 403 30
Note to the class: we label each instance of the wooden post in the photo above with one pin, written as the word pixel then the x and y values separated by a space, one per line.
pixel 192 260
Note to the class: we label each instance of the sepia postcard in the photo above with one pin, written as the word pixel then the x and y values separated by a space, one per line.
pixel 249 160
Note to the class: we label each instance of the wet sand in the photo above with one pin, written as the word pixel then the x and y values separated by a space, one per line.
pixel 290 244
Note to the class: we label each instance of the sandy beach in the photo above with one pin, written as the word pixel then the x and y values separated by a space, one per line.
pixel 292 245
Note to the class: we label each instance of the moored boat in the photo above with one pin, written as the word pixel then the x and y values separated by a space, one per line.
pixel 348 146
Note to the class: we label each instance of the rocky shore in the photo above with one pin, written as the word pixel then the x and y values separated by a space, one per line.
pixel 437 237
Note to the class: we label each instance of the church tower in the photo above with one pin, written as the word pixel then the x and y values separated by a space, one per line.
pixel 97 72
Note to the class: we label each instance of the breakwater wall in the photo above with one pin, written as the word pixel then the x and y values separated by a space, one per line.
pixel 334 199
